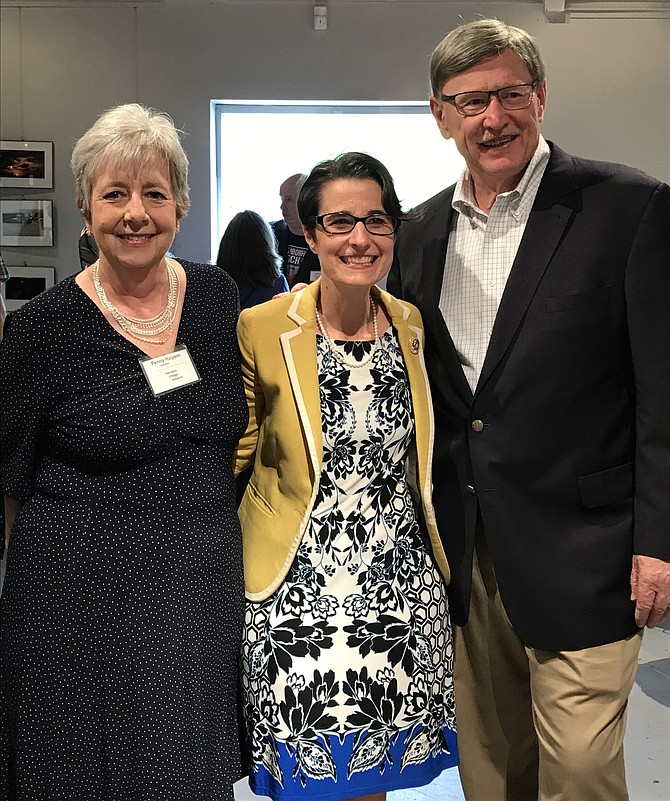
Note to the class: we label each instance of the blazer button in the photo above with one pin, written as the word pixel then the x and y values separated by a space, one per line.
pixel 471 489
pixel 477 426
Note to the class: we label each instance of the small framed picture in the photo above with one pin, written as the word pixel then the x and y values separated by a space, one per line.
pixel 26 164
pixel 26 223
pixel 25 283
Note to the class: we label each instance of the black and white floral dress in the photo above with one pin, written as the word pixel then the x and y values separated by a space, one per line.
pixel 347 668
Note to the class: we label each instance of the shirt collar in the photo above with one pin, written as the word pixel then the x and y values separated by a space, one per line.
pixel 464 196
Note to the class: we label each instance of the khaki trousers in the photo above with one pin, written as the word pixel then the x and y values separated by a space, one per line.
pixel 537 725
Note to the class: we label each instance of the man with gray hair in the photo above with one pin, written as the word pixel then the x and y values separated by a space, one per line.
pixel 544 284
pixel 298 262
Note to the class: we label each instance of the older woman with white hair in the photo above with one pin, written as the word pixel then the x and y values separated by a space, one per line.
pixel 120 404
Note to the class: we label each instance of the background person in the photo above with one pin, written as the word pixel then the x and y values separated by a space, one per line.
pixel 544 283
pixel 248 253
pixel 347 654
pixel 298 261
pixel 87 248
pixel 123 602
pixel 4 277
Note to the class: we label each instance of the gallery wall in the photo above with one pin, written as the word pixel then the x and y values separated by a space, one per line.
pixel 609 79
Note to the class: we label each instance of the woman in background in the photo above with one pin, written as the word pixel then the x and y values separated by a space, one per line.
pixel 248 253
pixel 347 655
pixel 120 403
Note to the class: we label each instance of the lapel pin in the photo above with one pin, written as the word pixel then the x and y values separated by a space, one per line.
pixel 414 345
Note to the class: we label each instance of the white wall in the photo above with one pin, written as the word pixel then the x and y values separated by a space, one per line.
pixel 609 80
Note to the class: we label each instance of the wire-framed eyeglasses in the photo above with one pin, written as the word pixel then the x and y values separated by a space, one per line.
pixel 341 222
pixel 512 98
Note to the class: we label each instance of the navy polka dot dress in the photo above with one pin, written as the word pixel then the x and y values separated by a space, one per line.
pixel 122 608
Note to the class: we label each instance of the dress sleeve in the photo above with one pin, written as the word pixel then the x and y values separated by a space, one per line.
pixel 23 402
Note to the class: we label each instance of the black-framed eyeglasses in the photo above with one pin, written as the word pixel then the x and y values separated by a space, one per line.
pixel 341 222
pixel 512 98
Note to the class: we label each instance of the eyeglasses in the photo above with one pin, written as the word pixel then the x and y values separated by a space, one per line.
pixel 340 222
pixel 512 98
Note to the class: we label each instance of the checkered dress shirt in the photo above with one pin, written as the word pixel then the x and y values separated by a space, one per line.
pixel 480 253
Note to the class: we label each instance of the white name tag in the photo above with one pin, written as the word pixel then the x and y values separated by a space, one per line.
pixel 171 371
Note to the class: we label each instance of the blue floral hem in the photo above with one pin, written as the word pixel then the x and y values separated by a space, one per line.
pixel 386 776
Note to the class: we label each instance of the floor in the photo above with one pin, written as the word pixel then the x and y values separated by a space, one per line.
pixel 647 738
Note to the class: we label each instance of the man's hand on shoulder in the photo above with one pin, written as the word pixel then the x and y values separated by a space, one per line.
pixel 294 288
pixel 650 589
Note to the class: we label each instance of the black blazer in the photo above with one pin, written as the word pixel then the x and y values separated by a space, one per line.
pixel 571 470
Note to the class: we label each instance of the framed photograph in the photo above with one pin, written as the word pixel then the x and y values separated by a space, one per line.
pixel 26 223
pixel 26 164
pixel 25 283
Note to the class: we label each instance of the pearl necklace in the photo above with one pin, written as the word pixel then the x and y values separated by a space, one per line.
pixel 340 356
pixel 145 329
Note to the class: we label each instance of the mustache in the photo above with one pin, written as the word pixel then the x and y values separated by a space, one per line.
pixel 492 139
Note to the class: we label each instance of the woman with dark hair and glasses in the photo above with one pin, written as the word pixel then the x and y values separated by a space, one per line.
pixel 347 655
pixel 248 253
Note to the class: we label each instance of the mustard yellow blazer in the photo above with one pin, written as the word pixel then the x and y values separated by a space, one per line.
pixel 283 440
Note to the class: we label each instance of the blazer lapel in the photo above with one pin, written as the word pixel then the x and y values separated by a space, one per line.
pixel 546 224
pixel 299 349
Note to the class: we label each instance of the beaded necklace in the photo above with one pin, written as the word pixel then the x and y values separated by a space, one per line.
pixel 145 329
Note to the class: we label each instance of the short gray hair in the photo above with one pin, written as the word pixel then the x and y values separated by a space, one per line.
pixel 473 42
pixel 130 134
